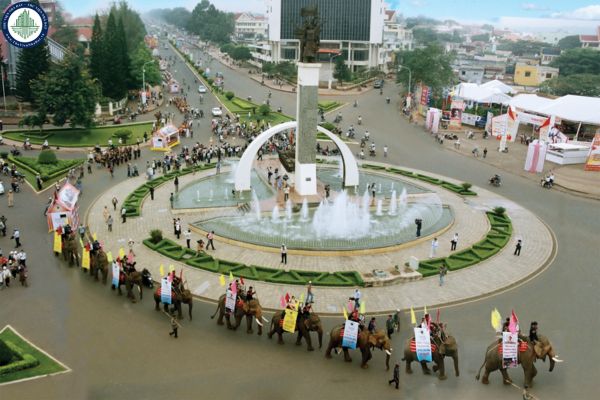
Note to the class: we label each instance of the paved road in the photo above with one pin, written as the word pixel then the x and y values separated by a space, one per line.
pixel 121 350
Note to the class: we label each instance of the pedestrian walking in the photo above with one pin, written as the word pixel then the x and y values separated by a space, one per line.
pixel 17 237
pixel 38 182
pixel 114 203
pixel 105 214
pixel 484 152
pixel 174 326
pixel 3 226
pixel 397 320
pixel 151 193
pixel 310 298
pixel 443 270
pixel 109 222
pixel 286 192
pixel 188 237
pixel 10 197
pixel 518 247
pixel 356 299
pixel 389 325
pixel 454 242
pixel 178 228
pixel 434 246
pixel 211 237
pixel 385 151
pixel 171 199
pixel 396 376
pixel 176 182
pixel 123 215
pixel 418 223
pixel 199 247
pixel 283 254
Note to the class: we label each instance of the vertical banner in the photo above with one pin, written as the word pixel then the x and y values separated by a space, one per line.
pixel 230 300
pixel 165 291
pixel 115 274
pixel 57 243
pixel 456 109
pixel 536 155
pixel 85 260
pixel 422 344
pixel 350 334
pixel 289 321
pixel 593 160
pixel 510 349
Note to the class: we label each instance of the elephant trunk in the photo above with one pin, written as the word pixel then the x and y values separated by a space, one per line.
pixel 190 308
pixel 387 359
pixel 320 334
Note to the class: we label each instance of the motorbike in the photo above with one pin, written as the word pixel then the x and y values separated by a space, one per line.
pixel 546 183
pixel 147 278
pixel 372 153
pixel 495 180
pixel 363 143
pixel 337 119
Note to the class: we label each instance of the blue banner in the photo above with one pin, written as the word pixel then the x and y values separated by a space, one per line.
pixel 165 291
pixel 115 274
pixel 350 334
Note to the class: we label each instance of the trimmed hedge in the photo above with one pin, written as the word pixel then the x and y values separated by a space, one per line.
pixel 328 105
pixel 46 171
pixel 458 189
pixel 497 237
pixel 133 201
pixel 203 261
pixel 25 360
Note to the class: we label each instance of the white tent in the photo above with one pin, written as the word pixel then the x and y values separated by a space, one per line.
pixel 573 108
pixel 501 86
pixel 480 94
pixel 530 102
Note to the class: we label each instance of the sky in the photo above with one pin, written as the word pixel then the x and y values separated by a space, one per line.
pixel 575 16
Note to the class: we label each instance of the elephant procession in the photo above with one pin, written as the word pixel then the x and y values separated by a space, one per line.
pixel 429 344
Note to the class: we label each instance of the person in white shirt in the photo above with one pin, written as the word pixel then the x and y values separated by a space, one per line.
pixel 188 237
pixel 434 246
pixel 356 298
pixel 454 242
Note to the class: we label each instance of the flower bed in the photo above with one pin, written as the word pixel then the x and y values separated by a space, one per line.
pixel 203 261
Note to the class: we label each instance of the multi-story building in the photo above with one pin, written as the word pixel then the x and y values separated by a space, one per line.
pixel 396 37
pixel 591 41
pixel 471 73
pixel 250 26
pixel 549 54
pixel 353 29
pixel 533 75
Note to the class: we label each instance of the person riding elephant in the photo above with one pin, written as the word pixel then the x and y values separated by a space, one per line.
pixel 70 248
pixel 243 308
pixel 129 279
pixel 99 263
pixel 365 342
pixel 179 294
pixel 305 323
pixel 442 345
pixel 529 352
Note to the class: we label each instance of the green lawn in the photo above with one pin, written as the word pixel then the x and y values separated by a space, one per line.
pixel 329 105
pixel 46 364
pixel 243 107
pixel 50 174
pixel 79 137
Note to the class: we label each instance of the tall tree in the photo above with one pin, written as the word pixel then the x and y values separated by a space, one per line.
pixel 341 72
pixel 577 84
pixel 122 47
pixel 114 84
pixel 569 42
pixel 32 63
pixel 578 61
pixel 152 72
pixel 67 93
pixel 65 33
pixel 134 27
pixel 431 66
pixel 97 53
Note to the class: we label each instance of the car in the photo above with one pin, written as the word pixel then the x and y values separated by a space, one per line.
pixel 378 84
pixel 216 112
pixel 1 187
pixel 201 89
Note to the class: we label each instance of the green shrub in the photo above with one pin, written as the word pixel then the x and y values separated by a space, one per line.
pixel 4 155
pixel 156 236
pixel 264 110
pixel 329 126
pixel 210 81
pixel 466 186
pixel 6 355
pixel 229 95
pixel 123 134
pixel 499 210
pixel 47 157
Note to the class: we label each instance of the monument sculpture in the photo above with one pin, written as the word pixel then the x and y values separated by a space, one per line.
pixel 308 34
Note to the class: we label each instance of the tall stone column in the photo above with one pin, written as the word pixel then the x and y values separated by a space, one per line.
pixel 307 109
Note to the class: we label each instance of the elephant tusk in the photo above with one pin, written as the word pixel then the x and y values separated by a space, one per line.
pixel 389 353
pixel 556 359
pixel 258 322
pixel 266 320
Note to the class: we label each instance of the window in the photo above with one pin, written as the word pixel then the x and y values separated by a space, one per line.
pixel 463 72
pixel 527 74
pixel 288 54
pixel 549 75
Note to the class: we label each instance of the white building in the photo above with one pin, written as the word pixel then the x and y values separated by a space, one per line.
pixel 250 26
pixel 395 38
pixel 354 30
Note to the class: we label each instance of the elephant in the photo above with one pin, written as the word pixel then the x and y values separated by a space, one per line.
pixel 129 280
pixel 70 251
pixel 99 263
pixel 178 295
pixel 365 342
pixel 527 357
pixel 305 323
pixel 445 346
pixel 242 308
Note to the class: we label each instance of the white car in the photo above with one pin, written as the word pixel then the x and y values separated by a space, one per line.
pixel 201 89
pixel 1 188
pixel 216 112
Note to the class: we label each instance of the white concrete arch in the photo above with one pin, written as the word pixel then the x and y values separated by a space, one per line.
pixel 244 168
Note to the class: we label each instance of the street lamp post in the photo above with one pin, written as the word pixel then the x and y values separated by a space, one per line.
pixel 409 75
pixel 144 79
pixel 331 57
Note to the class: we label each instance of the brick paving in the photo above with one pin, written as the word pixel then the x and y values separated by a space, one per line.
pixel 496 273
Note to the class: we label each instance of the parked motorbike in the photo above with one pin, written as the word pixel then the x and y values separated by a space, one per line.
pixel 495 180
pixel 147 278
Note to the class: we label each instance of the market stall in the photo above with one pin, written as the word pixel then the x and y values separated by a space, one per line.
pixel 165 138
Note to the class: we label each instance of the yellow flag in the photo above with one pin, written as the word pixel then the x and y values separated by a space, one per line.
pixel 413 317
pixel 496 320
pixel 424 310
pixel 57 243
pixel 85 261
pixel 345 312
pixel 121 253
pixel 171 268
pixel 230 277
pixel 363 307
pixel 109 257
pixel 162 270
pixel 301 298
pixel 222 280
pixel 81 243
pixel 94 236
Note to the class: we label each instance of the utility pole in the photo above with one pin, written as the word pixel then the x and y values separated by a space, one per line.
pixel 144 80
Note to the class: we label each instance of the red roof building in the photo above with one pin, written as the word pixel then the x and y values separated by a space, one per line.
pixel 591 41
